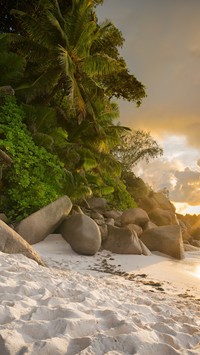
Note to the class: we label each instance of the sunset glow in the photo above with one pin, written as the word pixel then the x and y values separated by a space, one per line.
pixel 197 271
pixel 165 58
pixel 184 208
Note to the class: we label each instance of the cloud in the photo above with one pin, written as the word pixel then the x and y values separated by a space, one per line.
pixel 183 183
pixel 161 120
pixel 162 49
pixel 159 173
pixel 187 188
pixel 184 208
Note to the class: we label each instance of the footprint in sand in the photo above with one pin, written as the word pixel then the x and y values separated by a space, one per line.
pixel 5 316
pixel 49 314
pixel 76 345
pixel 43 330
pixel 157 349
pixel 55 346
pixel 169 339
pixel 163 328
pixel 121 328
pixel 189 329
pixel 121 344
pixel 107 319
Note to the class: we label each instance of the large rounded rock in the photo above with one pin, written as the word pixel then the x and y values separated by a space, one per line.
pixel 162 217
pixel 3 217
pixel 188 247
pixel 145 250
pixel 13 243
pixel 135 228
pixel 116 215
pixel 82 233
pixel 147 203
pixel 166 239
pixel 96 215
pixel 38 225
pixel 104 231
pixel 162 201
pixel 134 216
pixel 194 231
pixel 185 235
pixel 122 241
pixel 195 242
pixel 97 203
pixel 149 225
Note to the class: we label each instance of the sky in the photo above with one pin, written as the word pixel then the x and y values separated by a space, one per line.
pixel 162 49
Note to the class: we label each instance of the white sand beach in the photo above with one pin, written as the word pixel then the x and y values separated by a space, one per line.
pixel 102 304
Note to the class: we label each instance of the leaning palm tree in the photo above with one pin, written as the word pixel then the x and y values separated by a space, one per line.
pixel 57 47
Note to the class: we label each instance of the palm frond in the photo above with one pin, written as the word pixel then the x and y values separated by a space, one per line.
pixel 41 86
pixel 44 140
pixel 77 18
pixel 105 36
pixel 12 66
pixel 40 118
pixel 3 42
pixel 78 101
pixel 85 39
pixel 100 65
pixel 55 8
pixel 66 61
pixel 56 25
pixel 37 27
pixel 29 48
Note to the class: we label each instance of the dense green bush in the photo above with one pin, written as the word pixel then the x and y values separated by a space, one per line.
pixel 36 176
pixel 135 185
pixel 120 198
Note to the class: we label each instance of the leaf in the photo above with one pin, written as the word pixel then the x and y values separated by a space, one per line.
pixel 100 65
pixel 89 164
pixel 107 190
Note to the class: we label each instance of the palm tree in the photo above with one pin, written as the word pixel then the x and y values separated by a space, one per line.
pixel 64 87
pixel 89 149
pixel 57 47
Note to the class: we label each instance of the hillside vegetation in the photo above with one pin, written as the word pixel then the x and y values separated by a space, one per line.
pixel 62 74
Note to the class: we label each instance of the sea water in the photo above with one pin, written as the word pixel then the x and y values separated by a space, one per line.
pixel 191 263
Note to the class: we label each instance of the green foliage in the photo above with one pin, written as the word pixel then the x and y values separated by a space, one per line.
pixel 36 177
pixel 135 146
pixel 125 86
pixel 66 68
pixel 113 189
pixel 12 66
pixel 42 122
pixel 58 49
pixel 77 187
pixel 135 185
pixel 121 83
pixel 120 198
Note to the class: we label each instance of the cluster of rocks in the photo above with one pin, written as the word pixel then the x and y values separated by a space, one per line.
pixel 153 226
pixel 138 230
pixel 162 212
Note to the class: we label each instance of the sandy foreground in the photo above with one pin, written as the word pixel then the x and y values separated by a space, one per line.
pixel 105 304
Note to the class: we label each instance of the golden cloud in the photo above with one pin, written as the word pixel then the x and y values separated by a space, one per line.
pixel 183 185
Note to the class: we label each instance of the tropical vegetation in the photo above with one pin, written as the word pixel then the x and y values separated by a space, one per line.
pixel 60 128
